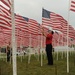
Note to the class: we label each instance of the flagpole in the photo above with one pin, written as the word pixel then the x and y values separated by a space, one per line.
pixel 67 38
pixel 62 46
pixel 21 45
pixel 13 39
pixel 38 46
pixel 41 45
pixel 29 49
pixel 58 46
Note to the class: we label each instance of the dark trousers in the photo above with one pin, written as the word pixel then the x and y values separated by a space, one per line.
pixel 49 54
pixel 8 56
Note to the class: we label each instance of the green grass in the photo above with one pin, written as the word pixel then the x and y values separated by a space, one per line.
pixel 34 68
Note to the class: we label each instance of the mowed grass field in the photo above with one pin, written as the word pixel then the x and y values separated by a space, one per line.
pixel 35 68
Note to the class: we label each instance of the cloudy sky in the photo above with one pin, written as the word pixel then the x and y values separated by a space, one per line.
pixel 33 9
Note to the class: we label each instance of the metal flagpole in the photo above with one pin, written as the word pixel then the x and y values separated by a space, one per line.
pixel 21 46
pixel 58 46
pixel 62 46
pixel 41 43
pixel 29 49
pixel 38 46
pixel 67 38
pixel 41 51
pixel 13 39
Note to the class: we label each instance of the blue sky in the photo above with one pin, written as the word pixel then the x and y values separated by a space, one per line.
pixel 33 9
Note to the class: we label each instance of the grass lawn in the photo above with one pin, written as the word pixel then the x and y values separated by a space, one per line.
pixel 34 68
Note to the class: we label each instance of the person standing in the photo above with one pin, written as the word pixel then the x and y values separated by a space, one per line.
pixel 49 37
pixel 8 53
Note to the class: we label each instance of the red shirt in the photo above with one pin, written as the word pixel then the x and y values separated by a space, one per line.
pixel 49 39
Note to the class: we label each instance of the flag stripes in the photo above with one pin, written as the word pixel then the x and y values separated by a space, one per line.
pixel 25 26
pixel 72 7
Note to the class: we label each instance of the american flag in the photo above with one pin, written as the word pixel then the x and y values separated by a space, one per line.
pixel 5 34
pixel 5 15
pixel 21 23
pixel 71 32
pixel 72 7
pixel 55 38
pixel 33 26
pixel 6 2
pixel 51 19
pixel 64 24
pixel 4 10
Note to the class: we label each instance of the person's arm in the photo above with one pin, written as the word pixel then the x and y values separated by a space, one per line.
pixel 43 33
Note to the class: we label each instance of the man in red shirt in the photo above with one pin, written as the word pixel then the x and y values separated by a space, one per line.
pixel 49 37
